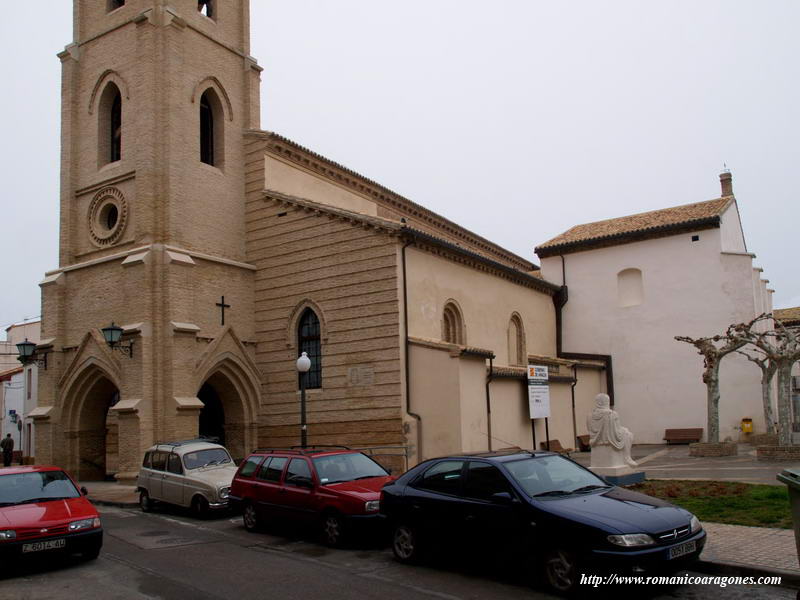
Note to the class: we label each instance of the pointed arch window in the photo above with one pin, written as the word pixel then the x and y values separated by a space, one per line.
pixel 206 7
pixel 452 324
pixel 211 129
pixel 516 341
pixel 309 340
pixel 109 130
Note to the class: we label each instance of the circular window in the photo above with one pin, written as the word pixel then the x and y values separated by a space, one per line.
pixel 108 213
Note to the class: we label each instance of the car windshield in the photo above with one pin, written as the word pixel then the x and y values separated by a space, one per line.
pixel 39 486
pixel 347 467
pixel 206 458
pixel 553 476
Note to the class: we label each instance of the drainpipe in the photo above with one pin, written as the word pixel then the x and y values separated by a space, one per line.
pixel 489 403
pixel 408 366
pixel 574 423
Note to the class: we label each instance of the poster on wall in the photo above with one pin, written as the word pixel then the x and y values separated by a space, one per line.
pixel 538 392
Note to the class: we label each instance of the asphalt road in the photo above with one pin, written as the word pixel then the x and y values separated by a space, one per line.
pixel 168 555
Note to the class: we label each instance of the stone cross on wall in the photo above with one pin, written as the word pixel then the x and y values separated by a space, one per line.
pixel 222 307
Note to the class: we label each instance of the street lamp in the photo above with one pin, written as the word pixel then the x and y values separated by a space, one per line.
pixel 28 355
pixel 112 335
pixel 303 365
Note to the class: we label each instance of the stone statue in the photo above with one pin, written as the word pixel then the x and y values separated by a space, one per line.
pixel 610 441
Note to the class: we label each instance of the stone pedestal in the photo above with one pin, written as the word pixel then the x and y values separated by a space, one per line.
pixel 608 463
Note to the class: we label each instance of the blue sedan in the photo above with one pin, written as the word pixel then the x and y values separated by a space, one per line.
pixel 539 504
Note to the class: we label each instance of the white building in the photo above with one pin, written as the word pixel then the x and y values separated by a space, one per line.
pixel 636 282
pixel 18 387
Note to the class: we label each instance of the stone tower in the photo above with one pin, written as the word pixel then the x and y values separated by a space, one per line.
pixel 156 96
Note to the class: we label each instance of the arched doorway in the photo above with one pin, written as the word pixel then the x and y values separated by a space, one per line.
pixel 223 413
pixel 98 432
pixel 212 416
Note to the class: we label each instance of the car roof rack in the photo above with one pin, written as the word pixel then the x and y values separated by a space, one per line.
pixel 300 450
pixel 197 440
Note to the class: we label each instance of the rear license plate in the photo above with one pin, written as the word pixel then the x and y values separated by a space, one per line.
pixel 48 545
pixel 682 550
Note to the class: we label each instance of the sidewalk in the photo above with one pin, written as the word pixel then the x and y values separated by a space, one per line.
pixel 730 549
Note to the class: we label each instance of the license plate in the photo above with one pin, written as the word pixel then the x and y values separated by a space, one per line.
pixel 682 550
pixel 47 545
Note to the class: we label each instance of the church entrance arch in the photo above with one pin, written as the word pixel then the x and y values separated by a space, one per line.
pixel 226 413
pixel 93 434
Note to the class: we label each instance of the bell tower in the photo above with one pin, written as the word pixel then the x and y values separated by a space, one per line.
pixel 156 95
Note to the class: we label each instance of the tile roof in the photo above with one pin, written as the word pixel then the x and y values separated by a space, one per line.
pixel 636 227
pixel 787 316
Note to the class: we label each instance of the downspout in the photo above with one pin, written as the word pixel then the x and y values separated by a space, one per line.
pixel 408 366
pixel 489 403
pixel 574 423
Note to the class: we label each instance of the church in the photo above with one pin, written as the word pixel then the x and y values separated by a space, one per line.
pixel 200 256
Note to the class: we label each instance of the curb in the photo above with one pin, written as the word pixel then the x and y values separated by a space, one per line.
pixel 789 579
pixel 114 503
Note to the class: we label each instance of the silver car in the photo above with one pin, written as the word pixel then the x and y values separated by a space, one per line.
pixel 196 474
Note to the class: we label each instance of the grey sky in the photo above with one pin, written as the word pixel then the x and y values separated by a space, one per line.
pixel 515 118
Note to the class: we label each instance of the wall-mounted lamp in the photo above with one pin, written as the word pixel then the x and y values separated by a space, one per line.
pixel 112 335
pixel 28 355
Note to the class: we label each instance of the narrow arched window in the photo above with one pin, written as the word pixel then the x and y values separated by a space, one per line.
pixel 206 7
pixel 109 130
pixel 630 288
pixel 516 341
pixel 211 129
pixel 452 324
pixel 309 341
pixel 114 4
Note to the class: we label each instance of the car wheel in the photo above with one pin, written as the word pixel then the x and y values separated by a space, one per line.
pixel 406 544
pixel 200 507
pixel 333 529
pixel 145 503
pixel 561 570
pixel 250 517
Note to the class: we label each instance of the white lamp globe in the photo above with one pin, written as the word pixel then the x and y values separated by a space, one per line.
pixel 303 363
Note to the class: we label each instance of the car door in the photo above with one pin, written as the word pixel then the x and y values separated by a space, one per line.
pixel 267 486
pixel 173 481
pixel 298 490
pixel 488 520
pixel 155 483
pixel 432 503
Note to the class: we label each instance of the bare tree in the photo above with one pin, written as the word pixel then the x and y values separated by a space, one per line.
pixel 768 369
pixel 781 346
pixel 735 337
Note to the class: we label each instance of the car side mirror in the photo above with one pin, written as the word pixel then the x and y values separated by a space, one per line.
pixel 84 491
pixel 504 498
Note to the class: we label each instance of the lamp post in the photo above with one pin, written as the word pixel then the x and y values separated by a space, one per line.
pixel 303 365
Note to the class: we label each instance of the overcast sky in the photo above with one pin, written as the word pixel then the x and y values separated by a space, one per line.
pixel 514 118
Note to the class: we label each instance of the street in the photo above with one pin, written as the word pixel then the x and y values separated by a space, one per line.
pixel 168 555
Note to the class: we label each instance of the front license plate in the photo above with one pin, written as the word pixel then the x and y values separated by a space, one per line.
pixel 682 550
pixel 48 545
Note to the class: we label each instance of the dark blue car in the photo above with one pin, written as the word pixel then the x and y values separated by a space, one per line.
pixel 536 504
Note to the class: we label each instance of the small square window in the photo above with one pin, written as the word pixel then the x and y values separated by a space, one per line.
pixel 695 238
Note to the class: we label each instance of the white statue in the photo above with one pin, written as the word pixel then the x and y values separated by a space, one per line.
pixel 610 441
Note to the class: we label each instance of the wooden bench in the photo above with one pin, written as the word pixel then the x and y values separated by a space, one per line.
pixel 583 443
pixel 683 436
pixel 555 446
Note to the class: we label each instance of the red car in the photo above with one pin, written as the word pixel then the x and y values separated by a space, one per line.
pixel 337 490
pixel 42 511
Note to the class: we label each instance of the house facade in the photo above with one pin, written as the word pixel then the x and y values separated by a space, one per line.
pixel 636 282
pixel 223 251
pixel 18 395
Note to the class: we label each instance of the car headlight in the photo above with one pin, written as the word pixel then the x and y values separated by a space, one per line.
pixel 695 524
pixel 631 539
pixel 84 524
pixel 8 534
pixel 372 506
pixel 224 493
